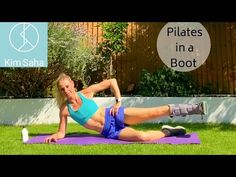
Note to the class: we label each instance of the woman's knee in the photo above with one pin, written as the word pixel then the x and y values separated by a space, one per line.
pixel 143 136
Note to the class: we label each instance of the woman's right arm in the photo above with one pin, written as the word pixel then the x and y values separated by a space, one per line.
pixel 62 127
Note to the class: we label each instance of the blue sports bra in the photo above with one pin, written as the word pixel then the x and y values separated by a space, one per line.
pixel 86 110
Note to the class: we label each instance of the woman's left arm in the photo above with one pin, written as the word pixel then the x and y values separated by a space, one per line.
pixel 109 83
pixel 115 89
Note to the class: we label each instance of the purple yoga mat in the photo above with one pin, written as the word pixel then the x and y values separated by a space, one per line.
pixel 88 139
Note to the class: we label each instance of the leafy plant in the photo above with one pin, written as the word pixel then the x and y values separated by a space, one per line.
pixel 113 43
pixel 166 82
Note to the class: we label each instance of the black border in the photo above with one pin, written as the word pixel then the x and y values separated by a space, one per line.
pixel 147 11
pixel 107 161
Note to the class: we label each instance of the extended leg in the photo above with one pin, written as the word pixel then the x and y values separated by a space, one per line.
pixel 130 134
pixel 138 115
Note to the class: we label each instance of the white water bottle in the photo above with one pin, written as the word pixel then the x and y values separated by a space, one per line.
pixel 25 134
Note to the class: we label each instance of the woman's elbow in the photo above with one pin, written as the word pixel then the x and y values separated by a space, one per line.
pixel 113 80
pixel 108 83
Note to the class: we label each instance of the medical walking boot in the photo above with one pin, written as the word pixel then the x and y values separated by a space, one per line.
pixel 188 109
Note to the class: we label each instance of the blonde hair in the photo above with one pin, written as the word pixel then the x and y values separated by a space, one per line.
pixel 60 99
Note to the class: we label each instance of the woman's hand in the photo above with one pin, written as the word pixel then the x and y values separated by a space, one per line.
pixel 114 110
pixel 52 138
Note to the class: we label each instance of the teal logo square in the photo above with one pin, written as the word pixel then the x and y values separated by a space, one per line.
pixel 24 44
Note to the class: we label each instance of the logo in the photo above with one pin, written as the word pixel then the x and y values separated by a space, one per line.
pixel 183 46
pixel 24 44
pixel 24 37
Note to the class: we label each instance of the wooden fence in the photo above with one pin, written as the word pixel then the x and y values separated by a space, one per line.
pixel 219 70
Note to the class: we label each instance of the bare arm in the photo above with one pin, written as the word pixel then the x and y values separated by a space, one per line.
pixel 109 83
pixel 62 127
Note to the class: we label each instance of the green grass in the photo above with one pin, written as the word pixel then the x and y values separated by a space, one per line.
pixel 216 139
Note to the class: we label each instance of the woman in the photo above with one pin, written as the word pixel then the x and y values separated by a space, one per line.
pixel 110 122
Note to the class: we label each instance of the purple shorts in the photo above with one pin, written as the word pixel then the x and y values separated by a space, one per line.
pixel 113 124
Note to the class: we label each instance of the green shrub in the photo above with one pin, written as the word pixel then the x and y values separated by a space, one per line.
pixel 166 82
pixel 113 43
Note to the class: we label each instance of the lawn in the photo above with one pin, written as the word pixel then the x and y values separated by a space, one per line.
pixel 216 139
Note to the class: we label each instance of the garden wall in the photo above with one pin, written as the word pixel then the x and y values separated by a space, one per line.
pixel 44 111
